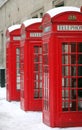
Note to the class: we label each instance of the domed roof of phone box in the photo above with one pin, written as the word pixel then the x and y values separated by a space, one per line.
pixel 58 10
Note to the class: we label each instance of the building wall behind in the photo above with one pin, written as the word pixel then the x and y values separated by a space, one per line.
pixel 76 3
pixel 16 11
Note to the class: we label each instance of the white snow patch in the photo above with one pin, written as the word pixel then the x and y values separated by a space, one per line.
pixel 32 21
pixel 14 27
pixel 55 11
pixel 14 118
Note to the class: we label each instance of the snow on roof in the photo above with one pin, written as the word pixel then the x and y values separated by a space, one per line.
pixel 32 21
pixel 14 27
pixel 58 10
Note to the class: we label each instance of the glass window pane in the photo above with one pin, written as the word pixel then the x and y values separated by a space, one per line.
pixel 18 86
pixel 80 47
pixel 45 59
pixel 40 84
pixel 40 67
pixel 36 94
pixel 40 76
pixel 73 106
pixel 65 106
pixel 73 59
pixel 36 48
pixel 35 76
pixel 65 82
pixel 79 70
pixel 80 59
pixel 65 94
pixel 65 48
pixel 40 93
pixel 72 70
pixel 17 50
pixel 65 59
pixel 80 103
pixel 79 82
pixel 73 82
pixel 36 84
pixel 46 69
pixel 80 93
pixel 18 72
pixel 73 94
pixel 40 50
pixel 36 58
pixel 46 104
pixel 45 48
pixel 18 65
pixel 36 67
pixel 65 71
pixel 73 47
pixel 17 59
pixel 40 58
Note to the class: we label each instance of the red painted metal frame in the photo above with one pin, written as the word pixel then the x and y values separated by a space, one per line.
pixel 28 103
pixel 54 116
pixel 12 93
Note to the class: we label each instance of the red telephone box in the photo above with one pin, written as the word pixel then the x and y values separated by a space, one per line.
pixel 31 65
pixel 62 67
pixel 13 63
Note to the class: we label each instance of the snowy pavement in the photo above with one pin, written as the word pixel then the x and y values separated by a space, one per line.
pixel 13 118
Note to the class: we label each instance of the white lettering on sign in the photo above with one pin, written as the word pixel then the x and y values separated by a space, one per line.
pixel 35 34
pixel 16 38
pixel 69 27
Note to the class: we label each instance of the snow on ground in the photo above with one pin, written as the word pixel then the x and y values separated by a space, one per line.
pixel 13 118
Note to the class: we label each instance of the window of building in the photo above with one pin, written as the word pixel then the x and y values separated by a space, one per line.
pixel 41 14
pixel 35 16
pixel 38 13
pixel 56 3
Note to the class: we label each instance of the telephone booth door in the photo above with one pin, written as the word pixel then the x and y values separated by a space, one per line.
pixel 62 100
pixel 36 79
pixel 70 51
pixel 31 65
pixel 31 76
pixel 13 63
